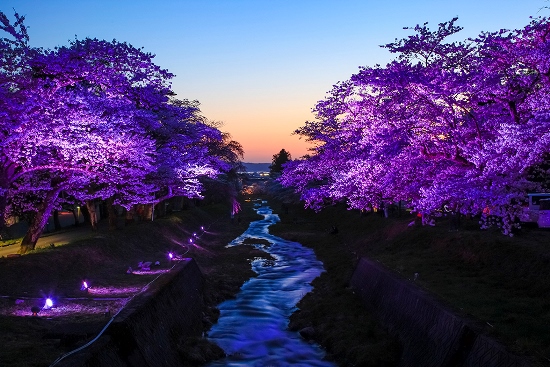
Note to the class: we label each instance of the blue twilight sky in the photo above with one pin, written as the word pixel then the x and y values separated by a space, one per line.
pixel 259 66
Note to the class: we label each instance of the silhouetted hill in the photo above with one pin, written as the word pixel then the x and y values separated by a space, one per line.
pixel 257 167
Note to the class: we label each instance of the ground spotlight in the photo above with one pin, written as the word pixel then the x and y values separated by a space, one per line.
pixel 48 304
pixel 35 310
pixel 84 286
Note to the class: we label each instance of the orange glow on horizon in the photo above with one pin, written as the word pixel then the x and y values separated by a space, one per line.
pixel 263 133
pixel 262 152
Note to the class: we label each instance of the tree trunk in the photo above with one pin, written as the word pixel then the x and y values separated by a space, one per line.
pixel 40 219
pixel 85 213
pixel 130 215
pixel 454 221
pixel 111 214
pixel 148 212
pixel 90 205
pixel 161 209
pixel 399 209
pixel 140 212
pixel 3 227
pixel 75 212
pixel 7 170
pixel 56 222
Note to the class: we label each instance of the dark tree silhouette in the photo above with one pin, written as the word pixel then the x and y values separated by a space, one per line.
pixel 278 160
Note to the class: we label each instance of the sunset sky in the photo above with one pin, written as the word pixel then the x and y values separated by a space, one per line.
pixel 259 66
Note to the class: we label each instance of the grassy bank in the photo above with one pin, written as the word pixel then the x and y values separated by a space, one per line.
pixel 331 313
pixel 103 259
pixel 501 283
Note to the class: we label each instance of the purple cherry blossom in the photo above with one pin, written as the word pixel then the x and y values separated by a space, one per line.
pixel 446 124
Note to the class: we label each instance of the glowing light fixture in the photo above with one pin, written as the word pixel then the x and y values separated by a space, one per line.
pixel 35 310
pixel 170 255
pixel 48 304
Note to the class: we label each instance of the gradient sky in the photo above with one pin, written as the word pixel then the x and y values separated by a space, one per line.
pixel 259 66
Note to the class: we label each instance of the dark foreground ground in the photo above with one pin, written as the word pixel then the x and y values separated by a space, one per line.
pixel 103 258
pixel 502 283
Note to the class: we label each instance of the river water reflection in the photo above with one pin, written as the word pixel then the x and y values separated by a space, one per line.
pixel 252 329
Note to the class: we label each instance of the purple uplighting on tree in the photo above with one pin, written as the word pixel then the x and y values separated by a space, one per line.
pixel 461 125
pixel 96 120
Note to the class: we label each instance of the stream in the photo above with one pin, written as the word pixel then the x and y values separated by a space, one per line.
pixel 252 329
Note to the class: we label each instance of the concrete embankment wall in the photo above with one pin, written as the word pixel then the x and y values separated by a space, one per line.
pixel 430 334
pixel 145 331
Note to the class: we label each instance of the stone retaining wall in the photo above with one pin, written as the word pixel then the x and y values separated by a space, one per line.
pixel 430 335
pixel 144 333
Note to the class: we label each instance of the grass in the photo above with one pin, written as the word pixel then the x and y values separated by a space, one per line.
pixel 501 283
pixel 103 260
pixel 335 315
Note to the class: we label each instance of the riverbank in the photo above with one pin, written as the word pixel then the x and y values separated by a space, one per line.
pixel 332 314
pixel 498 282
pixel 501 282
pixel 103 260
pixel 253 328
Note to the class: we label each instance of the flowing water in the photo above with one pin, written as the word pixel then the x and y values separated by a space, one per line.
pixel 252 329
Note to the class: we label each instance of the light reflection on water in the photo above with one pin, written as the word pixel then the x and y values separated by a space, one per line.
pixel 252 329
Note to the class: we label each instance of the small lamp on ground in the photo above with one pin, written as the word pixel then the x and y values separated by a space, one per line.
pixel 84 287
pixel 35 310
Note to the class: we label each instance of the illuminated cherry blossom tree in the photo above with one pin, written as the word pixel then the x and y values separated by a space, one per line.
pixel 95 120
pixel 92 104
pixel 446 125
